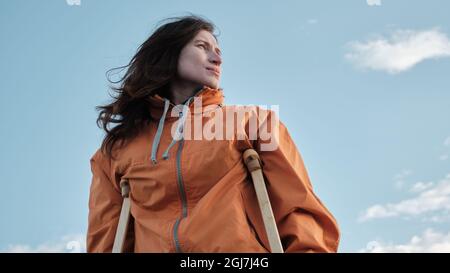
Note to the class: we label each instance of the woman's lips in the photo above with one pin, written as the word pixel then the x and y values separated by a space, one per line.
pixel 214 72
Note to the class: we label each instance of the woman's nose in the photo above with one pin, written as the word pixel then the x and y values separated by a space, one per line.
pixel 216 59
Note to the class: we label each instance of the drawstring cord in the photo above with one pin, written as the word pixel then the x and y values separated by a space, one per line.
pixel 178 133
pixel 159 131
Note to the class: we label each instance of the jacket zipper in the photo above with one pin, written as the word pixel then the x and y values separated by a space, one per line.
pixel 182 194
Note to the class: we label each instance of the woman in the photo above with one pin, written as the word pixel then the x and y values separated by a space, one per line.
pixel 191 194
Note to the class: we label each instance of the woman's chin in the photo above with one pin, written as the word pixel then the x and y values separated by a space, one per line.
pixel 212 84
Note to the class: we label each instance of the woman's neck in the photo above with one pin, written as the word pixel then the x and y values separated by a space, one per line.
pixel 180 92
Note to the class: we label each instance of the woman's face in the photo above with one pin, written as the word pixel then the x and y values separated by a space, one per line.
pixel 200 60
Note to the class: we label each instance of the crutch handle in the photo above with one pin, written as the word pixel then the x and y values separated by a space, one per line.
pixel 252 160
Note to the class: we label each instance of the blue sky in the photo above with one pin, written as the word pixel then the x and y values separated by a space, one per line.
pixel 362 86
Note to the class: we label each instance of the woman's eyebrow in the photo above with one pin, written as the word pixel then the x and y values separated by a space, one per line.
pixel 218 49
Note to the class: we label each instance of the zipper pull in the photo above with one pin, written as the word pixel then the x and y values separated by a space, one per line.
pixel 180 130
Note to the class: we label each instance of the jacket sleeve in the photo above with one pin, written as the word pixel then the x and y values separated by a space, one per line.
pixel 304 223
pixel 105 203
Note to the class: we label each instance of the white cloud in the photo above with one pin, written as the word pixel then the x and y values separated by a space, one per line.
pixel 73 2
pixel 74 243
pixel 421 186
pixel 404 173
pixel 440 217
pixel 402 51
pixel 400 178
pixel 447 144
pixel 373 2
pixel 399 184
pixel 312 21
pixel 447 141
pixel 435 198
pixel 429 241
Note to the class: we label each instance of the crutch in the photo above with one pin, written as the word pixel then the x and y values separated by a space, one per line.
pixel 122 227
pixel 253 162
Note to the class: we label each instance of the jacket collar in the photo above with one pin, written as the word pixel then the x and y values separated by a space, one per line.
pixel 161 106
pixel 209 96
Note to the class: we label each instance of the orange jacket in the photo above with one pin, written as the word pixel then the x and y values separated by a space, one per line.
pixel 196 195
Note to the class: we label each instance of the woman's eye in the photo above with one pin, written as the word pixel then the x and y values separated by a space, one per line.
pixel 203 46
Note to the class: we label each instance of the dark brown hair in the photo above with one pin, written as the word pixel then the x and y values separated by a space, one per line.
pixel 149 72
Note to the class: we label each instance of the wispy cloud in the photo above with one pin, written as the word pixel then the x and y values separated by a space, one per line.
pixel 421 186
pixel 429 241
pixel 73 2
pixel 373 2
pixel 312 21
pixel 434 197
pixel 399 179
pixel 440 217
pixel 401 51
pixel 447 142
pixel 74 243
